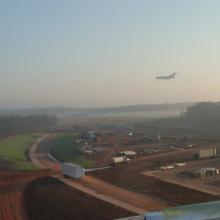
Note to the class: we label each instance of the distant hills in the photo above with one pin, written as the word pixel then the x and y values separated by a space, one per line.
pixel 132 110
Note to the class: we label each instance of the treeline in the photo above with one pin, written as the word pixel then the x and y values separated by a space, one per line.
pixel 202 119
pixel 26 123
pixel 203 112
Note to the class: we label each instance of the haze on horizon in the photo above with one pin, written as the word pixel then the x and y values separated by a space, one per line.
pixel 107 53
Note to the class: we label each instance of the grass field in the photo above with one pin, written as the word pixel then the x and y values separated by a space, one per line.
pixel 65 149
pixel 14 149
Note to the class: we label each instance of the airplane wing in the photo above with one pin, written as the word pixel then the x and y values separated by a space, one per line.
pixel 202 211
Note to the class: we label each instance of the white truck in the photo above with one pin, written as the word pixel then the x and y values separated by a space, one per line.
pixel 119 160
pixel 72 170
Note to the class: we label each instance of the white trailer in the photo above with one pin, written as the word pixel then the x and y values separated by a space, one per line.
pixel 180 164
pixel 170 167
pixel 129 154
pixel 206 153
pixel 72 170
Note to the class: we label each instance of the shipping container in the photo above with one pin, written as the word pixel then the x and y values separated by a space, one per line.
pixel 72 170
pixel 208 171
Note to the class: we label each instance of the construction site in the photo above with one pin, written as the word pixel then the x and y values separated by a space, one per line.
pixel 138 178
pixel 128 176
pixel 124 175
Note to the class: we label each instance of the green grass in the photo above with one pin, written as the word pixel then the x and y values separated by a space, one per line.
pixel 65 149
pixel 14 149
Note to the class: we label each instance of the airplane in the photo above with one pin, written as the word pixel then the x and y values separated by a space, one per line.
pixel 167 77
pixel 201 211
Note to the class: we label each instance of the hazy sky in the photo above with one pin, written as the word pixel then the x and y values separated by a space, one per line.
pixel 108 52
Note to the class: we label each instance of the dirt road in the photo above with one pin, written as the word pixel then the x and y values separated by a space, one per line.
pixel 123 198
pixel 144 202
pixel 205 185
pixel 38 154
pixel 49 198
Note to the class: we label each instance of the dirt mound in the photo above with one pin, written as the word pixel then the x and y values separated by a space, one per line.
pixel 48 198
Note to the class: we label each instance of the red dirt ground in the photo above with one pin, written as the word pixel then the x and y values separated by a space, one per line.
pixel 147 203
pixel 130 178
pixel 48 198
pixel 12 185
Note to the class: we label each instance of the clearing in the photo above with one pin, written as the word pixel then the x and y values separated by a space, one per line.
pixel 64 149
pixel 14 151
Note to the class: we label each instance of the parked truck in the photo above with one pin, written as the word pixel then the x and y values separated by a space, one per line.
pixel 119 160
pixel 72 170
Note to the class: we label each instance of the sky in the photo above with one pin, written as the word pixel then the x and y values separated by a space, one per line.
pixel 87 53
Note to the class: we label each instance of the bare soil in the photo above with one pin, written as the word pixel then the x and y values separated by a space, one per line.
pixel 12 185
pixel 48 198
pixel 130 177
pixel 146 202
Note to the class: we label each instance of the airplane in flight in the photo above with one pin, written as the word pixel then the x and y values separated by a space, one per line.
pixel 167 77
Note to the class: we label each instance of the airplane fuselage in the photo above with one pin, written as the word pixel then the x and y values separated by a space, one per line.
pixel 167 77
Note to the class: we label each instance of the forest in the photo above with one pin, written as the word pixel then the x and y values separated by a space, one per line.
pixel 14 123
